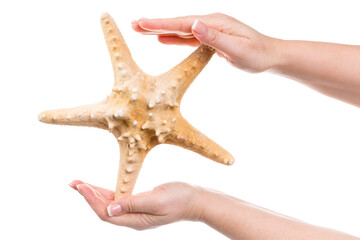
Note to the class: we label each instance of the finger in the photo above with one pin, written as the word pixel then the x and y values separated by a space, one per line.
pixel 209 36
pixel 107 194
pixel 99 205
pixel 137 28
pixel 143 193
pixel 74 183
pixel 96 201
pixel 142 203
pixel 170 34
pixel 174 40
pixel 181 24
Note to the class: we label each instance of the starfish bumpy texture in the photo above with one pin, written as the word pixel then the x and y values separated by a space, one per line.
pixel 142 111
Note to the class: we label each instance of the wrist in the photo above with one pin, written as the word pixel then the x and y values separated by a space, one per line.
pixel 277 52
pixel 206 203
pixel 198 204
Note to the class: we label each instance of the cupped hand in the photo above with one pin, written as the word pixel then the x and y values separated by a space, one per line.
pixel 165 204
pixel 239 44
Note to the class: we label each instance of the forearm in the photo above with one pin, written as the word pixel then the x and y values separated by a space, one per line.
pixel 241 220
pixel 332 69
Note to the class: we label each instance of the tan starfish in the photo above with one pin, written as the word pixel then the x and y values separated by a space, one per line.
pixel 142 111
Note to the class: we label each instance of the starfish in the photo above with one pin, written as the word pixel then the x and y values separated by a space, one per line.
pixel 142 111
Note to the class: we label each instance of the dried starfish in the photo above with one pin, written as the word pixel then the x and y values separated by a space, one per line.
pixel 142 111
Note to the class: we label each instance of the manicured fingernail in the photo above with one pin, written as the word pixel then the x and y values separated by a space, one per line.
pixel 72 186
pixel 114 209
pixel 198 27
pixel 195 24
pixel 78 188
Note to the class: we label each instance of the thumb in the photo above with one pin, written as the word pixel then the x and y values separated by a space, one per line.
pixel 213 38
pixel 141 203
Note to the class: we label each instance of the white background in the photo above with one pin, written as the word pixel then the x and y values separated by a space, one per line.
pixel 297 151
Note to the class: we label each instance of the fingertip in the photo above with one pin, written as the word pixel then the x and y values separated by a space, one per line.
pixel 109 210
pixel 148 24
pixel 198 28
pixel 79 188
pixel 142 23
pixel 193 27
pixel 74 183
pixel 114 209
pixel 212 37
pixel 135 25
pixel 95 200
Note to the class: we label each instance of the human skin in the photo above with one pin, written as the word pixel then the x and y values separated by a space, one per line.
pixel 178 201
pixel 332 69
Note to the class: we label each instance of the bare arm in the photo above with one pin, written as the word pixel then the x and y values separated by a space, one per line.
pixel 332 69
pixel 173 202
pixel 241 220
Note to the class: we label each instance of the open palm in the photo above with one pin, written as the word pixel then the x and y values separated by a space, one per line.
pixel 164 204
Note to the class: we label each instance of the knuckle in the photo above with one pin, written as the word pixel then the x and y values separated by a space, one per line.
pixel 214 37
pixel 218 14
pixel 160 188
pixel 130 205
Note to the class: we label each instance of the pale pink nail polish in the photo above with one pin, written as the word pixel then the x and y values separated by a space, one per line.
pixel 193 27
pixel 114 209
pixel 198 27
pixel 79 190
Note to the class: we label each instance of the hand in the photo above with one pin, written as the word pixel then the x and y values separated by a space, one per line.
pixel 238 43
pixel 165 204
pixel 177 201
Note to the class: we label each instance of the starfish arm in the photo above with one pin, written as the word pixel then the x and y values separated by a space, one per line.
pixel 124 66
pixel 186 136
pixel 88 115
pixel 131 160
pixel 185 72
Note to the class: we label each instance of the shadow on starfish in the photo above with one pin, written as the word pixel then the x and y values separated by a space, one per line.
pixel 142 111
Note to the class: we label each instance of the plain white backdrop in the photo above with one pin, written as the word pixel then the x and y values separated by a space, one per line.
pixel 297 151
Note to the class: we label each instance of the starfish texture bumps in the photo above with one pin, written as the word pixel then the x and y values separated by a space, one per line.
pixel 142 111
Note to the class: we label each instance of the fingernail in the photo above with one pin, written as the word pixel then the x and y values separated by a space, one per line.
pixel 114 209
pixel 78 188
pixel 198 27
pixel 72 186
